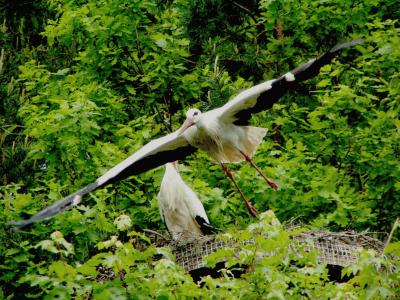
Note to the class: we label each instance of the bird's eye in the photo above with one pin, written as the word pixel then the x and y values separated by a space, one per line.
pixel 195 113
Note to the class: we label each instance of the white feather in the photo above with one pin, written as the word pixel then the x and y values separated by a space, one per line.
pixel 223 141
pixel 169 142
pixel 179 205
pixel 244 100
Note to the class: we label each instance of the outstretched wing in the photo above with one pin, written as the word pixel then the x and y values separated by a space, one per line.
pixel 156 153
pixel 264 95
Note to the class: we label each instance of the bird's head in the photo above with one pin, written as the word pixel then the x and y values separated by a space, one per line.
pixel 193 114
pixel 192 117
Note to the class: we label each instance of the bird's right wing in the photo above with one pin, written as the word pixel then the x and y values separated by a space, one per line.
pixel 198 212
pixel 156 153
pixel 194 205
pixel 262 96
pixel 205 227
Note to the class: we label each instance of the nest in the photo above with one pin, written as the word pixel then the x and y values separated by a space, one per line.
pixel 334 248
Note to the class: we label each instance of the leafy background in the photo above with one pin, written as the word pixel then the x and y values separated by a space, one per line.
pixel 84 83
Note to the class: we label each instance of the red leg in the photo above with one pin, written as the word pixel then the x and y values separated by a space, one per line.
pixel 250 207
pixel 271 183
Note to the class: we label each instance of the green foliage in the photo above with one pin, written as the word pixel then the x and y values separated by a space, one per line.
pixel 83 84
pixel 20 27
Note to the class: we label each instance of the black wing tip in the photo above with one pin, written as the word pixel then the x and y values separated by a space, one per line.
pixel 346 45
pixel 205 227
pixel 18 225
pixel 312 67
pixel 280 85
pixel 49 211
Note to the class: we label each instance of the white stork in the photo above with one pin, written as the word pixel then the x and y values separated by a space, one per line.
pixel 223 133
pixel 180 209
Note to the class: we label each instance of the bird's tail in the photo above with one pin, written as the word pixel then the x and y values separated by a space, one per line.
pixel 253 138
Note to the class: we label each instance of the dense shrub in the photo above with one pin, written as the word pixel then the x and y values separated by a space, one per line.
pixel 86 83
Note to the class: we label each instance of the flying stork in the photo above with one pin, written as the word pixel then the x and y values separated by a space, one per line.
pixel 222 132
pixel 180 208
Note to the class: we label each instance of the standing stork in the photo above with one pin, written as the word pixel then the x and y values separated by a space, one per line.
pixel 180 208
pixel 222 132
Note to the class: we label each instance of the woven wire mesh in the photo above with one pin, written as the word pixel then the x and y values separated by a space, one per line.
pixel 339 249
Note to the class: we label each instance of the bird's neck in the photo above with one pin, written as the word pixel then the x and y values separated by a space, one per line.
pixel 201 125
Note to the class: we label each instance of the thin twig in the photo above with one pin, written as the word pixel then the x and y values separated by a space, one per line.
pixel 395 225
pixel 248 11
pixel 156 233
pixel 158 112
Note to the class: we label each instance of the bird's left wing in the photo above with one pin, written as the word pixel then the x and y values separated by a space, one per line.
pixel 156 153
pixel 264 95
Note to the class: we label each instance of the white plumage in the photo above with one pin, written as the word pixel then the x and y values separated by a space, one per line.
pixel 223 133
pixel 180 208
pixel 220 137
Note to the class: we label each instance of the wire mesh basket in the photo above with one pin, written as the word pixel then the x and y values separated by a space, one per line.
pixel 334 248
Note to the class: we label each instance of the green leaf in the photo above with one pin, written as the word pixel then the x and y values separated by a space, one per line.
pixel 123 222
